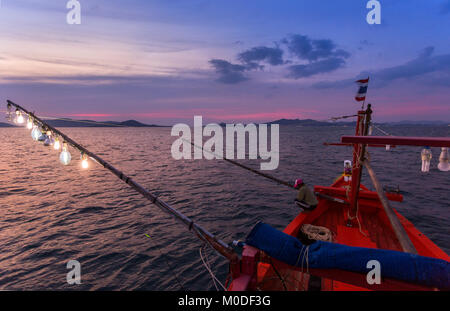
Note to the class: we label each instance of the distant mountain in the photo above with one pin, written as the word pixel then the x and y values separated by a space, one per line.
pixel 134 123
pixel 6 125
pixel 90 123
pixel 310 122
pixel 408 122
pixel 129 123
pixel 306 122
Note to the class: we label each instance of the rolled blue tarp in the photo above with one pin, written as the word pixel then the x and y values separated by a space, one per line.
pixel 406 267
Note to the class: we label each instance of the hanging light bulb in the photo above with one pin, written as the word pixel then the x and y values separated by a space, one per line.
pixel 426 159
pixel 443 160
pixel 17 115
pixel 43 137
pixel 30 123
pixel 36 133
pixel 84 161
pixel 8 112
pixel 20 119
pixel 65 156
pixel 56 145
pixel 48 139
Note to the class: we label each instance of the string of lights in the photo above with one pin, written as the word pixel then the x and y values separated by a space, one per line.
pixel 43 132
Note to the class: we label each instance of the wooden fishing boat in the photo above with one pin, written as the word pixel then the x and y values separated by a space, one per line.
pixel 362 229
pixel 358 218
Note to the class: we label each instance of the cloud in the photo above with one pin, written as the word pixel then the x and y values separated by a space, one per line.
pixel 424 65
pixel 229 73
pixel 250 60
pixel 86 80
pixel 272 56
pixel 310 57
pixel 311 69
pixel 322 56
pixel 308 49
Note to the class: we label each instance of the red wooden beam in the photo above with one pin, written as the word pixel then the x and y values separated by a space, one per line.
pixel 349 144
pixel 363 194
pixel 398 140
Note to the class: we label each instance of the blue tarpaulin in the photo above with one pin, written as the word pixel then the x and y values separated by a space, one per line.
pixel 325 255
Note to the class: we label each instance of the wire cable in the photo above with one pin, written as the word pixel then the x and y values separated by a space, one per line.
pixel 214 278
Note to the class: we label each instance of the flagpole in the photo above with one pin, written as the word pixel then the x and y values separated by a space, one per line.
pixel 364 101
pixel 362 91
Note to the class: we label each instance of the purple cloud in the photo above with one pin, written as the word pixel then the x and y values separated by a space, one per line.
pixel 229 73
pixel 424 64
pixel 272 56
pixel 321 56
pixel 313 68
pixel 308 49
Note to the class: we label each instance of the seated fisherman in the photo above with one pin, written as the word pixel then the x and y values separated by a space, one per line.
pixel 305 197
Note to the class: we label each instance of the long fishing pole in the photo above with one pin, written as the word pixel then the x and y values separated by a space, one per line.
pixel 268 176
pixel 275 179
pixel 203 234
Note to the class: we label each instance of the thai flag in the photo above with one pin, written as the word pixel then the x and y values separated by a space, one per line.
pixel 363 84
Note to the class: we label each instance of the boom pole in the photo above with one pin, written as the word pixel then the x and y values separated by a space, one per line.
pixel 399 231
pixel 203 234
pixel 265 175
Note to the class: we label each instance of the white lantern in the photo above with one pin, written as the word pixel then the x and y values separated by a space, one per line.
pixel 426 159
pixel 30 123
pixel 443 160
pixel 84 161
pixel 20 119
pixel 65 156
pixel 36 133
pixel 48 139
pixel 57 144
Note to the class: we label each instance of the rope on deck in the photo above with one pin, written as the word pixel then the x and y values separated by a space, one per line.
pixel 317 233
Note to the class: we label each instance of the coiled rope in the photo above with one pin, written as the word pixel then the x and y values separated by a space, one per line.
pixel 317 233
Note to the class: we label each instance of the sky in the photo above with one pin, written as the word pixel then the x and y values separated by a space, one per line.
pixel 162 62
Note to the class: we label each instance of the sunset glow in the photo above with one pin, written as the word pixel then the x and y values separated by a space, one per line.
pixel 161 63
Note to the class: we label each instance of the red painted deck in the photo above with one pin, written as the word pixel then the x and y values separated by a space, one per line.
pixel 371 229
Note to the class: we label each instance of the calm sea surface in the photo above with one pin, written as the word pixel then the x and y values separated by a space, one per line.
pixel 50 214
